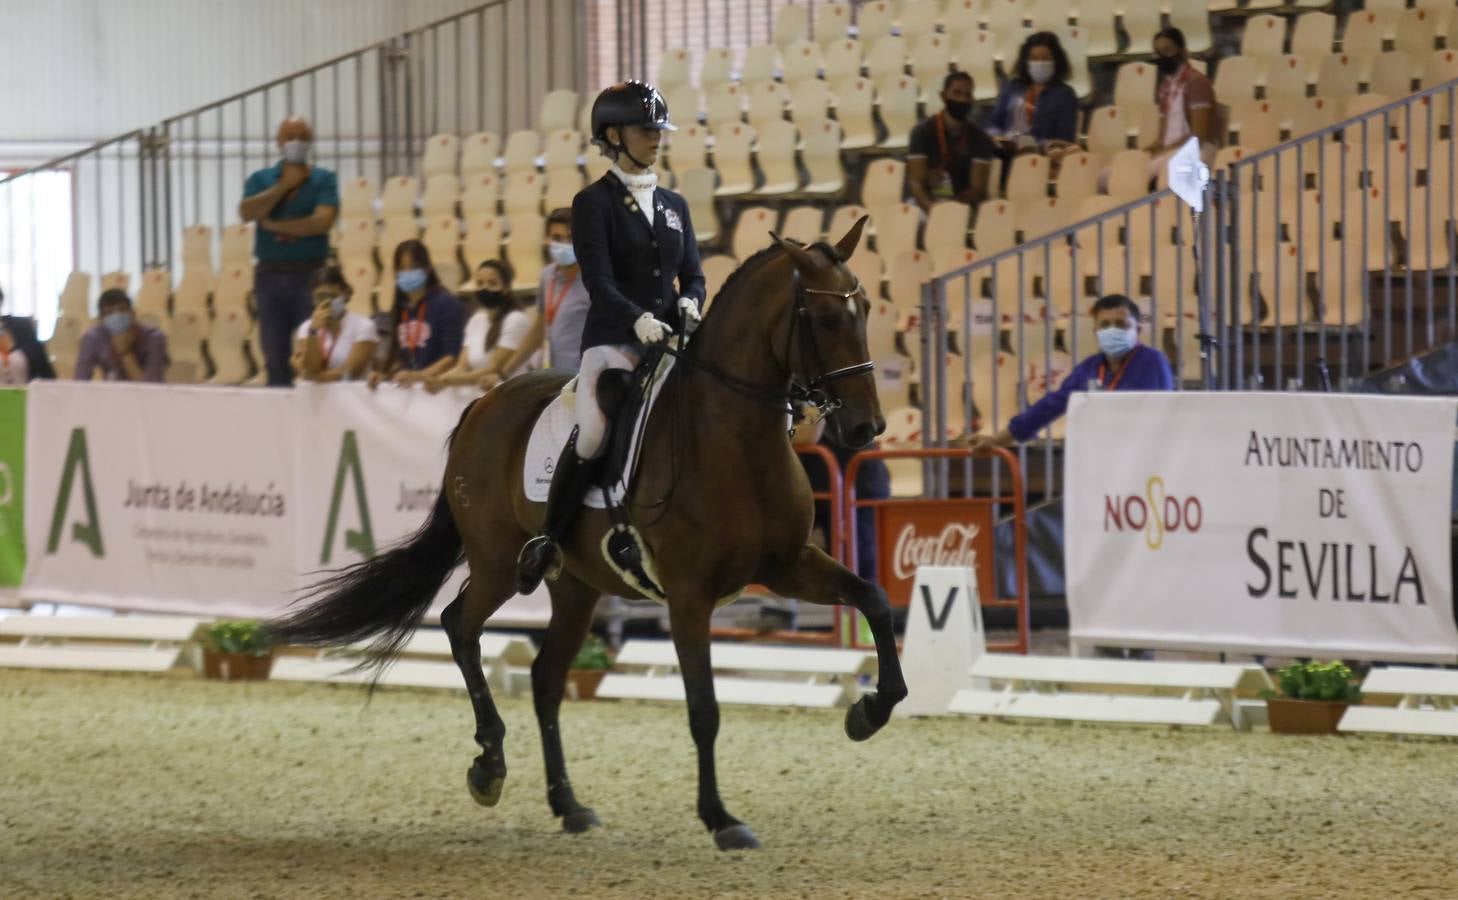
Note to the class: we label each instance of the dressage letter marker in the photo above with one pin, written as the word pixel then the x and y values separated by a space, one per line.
pixel 943 638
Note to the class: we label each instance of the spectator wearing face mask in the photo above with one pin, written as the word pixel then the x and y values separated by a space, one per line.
pixel 562 303
pixel 1122 364
pixel 120 346
pixel 1186 102
pixel 22 357
pixel 1037 111
pixel 294 205
pixel 493 333
pixel 335 344
pixel 427 322
pixel 949 157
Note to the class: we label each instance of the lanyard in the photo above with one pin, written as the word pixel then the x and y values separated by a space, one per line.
pixel 1168 86
pixel 1123 367
pixel 554 300
pixel 942 137
pixel 1030 104
pixel 327 343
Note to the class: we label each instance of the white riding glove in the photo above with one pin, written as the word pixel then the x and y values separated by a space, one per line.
pixel 649 330
pixel 689 308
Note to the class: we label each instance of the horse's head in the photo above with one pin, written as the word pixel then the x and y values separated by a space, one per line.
pixel 827 354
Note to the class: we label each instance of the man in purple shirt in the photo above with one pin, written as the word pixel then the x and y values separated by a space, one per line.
pixel 1123 364
pixel 123 348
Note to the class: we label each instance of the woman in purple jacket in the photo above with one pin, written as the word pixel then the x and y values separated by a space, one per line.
pixel 1036 110
pixel 1122 364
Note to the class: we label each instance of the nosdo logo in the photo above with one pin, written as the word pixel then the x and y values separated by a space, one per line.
pixel 1155 512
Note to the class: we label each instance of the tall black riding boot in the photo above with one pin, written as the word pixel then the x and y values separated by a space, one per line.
pixel 540 557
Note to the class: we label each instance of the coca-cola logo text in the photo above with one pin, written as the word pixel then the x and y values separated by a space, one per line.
pixel 953 547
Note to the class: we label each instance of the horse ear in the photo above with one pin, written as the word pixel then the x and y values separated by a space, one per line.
pixel 847 245
pixel 803 260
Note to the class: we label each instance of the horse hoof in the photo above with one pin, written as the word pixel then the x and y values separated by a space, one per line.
pixel 485 789
pixel 736 837
pixel 858 724
pixel 580 820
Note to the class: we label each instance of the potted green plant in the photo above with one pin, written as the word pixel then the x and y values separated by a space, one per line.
pixel 590 664
pixel 1314 696
pixel 237 651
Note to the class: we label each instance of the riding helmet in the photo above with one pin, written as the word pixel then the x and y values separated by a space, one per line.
pixel 629 103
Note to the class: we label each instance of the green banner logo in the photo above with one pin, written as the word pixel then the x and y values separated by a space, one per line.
pixel 12 487
pixel 88 533
pixel 363 540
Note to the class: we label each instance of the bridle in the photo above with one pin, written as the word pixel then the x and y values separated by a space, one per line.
pixel 801 393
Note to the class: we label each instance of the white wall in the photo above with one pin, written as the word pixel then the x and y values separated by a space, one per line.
pixel 84 70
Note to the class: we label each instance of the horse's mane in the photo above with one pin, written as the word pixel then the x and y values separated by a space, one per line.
pixel 753 264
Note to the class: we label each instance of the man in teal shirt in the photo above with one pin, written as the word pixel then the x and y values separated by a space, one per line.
pixel 294 205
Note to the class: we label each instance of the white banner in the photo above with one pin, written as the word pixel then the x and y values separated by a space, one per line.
pixel 1290 524
pixel 163 498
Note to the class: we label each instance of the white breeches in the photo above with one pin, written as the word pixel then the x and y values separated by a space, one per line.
pixel 591 423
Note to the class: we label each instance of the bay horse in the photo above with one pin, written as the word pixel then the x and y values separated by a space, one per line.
pixel 720 499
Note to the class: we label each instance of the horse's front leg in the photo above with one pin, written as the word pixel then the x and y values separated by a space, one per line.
pixel 689 621
pixel 817 578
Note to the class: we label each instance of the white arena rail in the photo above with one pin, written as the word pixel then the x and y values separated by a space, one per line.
pixel 1428 703
pixel 97 643
pixel 425 661
pixel 1035 687
pixel 744 674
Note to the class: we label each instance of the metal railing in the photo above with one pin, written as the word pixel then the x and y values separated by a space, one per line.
pixel 486 69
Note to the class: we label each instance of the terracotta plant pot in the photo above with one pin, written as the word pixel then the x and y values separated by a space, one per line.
pixel 235 666
pixel 582 683
pixel 1304 716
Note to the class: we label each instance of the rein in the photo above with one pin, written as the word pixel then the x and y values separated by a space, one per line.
pixel 811 393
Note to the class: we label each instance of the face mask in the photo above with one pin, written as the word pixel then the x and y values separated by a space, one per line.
pixel 491 299
pixel 1168 65
pixel 562 254
pixel 337 307
pixel 1040 70
pixel 117 322
pixel 410 280
pixel 296 151
pixel 1115 342
pixel 957 109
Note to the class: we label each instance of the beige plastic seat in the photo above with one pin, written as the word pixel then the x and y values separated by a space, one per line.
pixel 791 26
pixel 520 155
pixel 1039 217
pixel 1441 67
pixel 481 196
pixel 1194 22
pixel 919 18
pixel 1001 17
pixel 752 231
pixel 1311 114
pixel 483 240
pixel 896 229
pixel 1134 85
pixel 1417 30
pixel 236 246
pixel 192 292
pixel 697 187
pixel 357 198
pixel 843 60
pixel 442 238
pixel 1287 80
pixel 184 347
pixel 821 154
pixel 854 99
pixel 800 62
pixel 442 156
pixel 844 217
pixel 674 70
pixel 235 284
pixel 561 150
pixel 479 152
pixel 1237 77
pixel 1393 75
pixel 1282 281
pixel 732 152
pixel 362 278
pixel 1264 36
pixel 725 106
pixel 887 58
pixel 1078 177
pixel 760 63
pixel 1365 32
pixel 810 103
pixel 1129 175
pixel 897 95
pixel 197 248
pixel 1048 15
pixel 717 68
pixel 1096 17
pixel 931 59
pixel 685 102
pixel 802 223
pixel 357 239
pixel 1028 178
pixel 884 185
pixel 1108 131
pixel 832 21
pixel 1141 20
pixel 150 303
pixel 392 235
pixel 767 101
pixel 562 186
pixel 524 251
pixel 973 52
pixel 440 196
pixel 399 196
pixel 775 153
pixel 1338 77
pixel 230 328
pixel 1313 34
pixel 946 234
pixel 869 270
pixel 523 194
pixel 1258 122
pixel 995 229
pixel 908 271
pixel 1075 44
pixel 117 280
pixel 875 19
pixel 688 148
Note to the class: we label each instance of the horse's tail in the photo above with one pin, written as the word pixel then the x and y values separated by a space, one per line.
pixel 383 597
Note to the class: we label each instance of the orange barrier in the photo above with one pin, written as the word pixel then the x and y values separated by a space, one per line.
pixel 957 531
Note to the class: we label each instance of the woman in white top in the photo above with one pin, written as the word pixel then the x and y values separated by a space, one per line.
pixel 335 344
pixel 493 333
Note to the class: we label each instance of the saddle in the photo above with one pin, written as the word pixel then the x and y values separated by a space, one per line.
pixel 621 395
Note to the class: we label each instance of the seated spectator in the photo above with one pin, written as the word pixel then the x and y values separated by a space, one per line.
pixel 1123 364
pixel 493 333
pixel 873 482
pixel 1037 111
pixel 21 355
pixel 120 346
pixel 1186 102
pixel 427 322
pixel 335 344
pixel 561 302
pixel 949 157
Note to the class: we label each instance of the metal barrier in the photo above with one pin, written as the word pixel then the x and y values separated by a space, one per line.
pixel 969 520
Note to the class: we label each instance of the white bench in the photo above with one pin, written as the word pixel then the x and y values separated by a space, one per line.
pixel 1428 703
pixel 425 661
pixel 1034 687
pixel 744 674
pixel 96 643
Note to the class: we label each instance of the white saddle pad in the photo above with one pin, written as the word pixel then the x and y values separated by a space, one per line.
pixel 553 428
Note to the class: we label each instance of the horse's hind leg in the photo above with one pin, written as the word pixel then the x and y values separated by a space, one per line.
pixel 481 596
pixel 819 579
pixel 572 605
